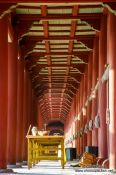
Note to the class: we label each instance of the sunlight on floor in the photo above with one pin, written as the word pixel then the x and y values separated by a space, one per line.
pixel 46 168
pixel 54 168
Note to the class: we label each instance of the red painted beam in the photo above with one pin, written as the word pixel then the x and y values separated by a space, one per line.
pixel 35 54
pixel 94 23
pixel 63 31
pixel 78 66
pixel 47 45
pixel 5 7
pixel 34 17
pixel 54 2
pixel 60 65
pixel 63 37
pixel 80 6
pixel 58 25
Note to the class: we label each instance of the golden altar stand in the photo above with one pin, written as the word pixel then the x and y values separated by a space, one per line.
pixel 45 148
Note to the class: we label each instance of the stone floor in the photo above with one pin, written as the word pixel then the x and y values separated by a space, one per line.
pixel 54 168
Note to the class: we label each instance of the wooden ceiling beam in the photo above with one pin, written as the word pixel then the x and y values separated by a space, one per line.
pixel 6 8
pixel 34 17
pixel 58 25
pixel 61 30
pixel 70 47
pixel 78 53
pixel 37 7
pixel 72 76
pixel 62 37
pixel 55 2
pixel 47 46
pixel 60 65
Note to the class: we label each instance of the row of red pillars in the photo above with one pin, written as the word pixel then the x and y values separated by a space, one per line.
pixel 104 51
pixel 17 101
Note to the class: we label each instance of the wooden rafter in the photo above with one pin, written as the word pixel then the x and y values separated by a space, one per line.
pixel 56 39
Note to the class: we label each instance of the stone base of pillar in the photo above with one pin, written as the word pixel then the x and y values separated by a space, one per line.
pixel 19 164
pixel 24 163
pixel 10 166
pixel 9 171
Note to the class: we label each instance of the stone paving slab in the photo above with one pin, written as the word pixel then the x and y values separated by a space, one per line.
pixel 46 168
pixel 54 168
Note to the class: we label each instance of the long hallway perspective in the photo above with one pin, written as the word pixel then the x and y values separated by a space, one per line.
pixel 57 82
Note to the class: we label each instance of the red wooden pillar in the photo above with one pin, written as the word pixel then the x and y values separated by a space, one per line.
pixel 35 105
pixel 29 102
pixel 94 81
pixel 78 122
pixel 33 109
pixel 3 89
pixel 75 134
pixel 12 101
pixel 40 120
pixel 77 101
pixel 84 109
pixel 111 53
pixel 89 134
pixel 80 116
pixel 102 131
pixel 20 94
pixel 73 119
pixel 25 117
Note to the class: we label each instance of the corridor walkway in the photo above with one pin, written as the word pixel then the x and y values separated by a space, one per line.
pixel 46 168
pixel 54 168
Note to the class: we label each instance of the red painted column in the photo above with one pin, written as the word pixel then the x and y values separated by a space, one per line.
pixel 25 117
pixel 35 106
pixel 29 103
pixel 89 134
pixel 40 120
pixel 111 53
pixel 73 118
pixel 75 134
pixel 20 96
pixel 85 108
pixel 77 104
pixel 78 122
pixel 81 116
pixel 12 101
pixel 94 81
pixel 3 89
pixel 32 108
pixel 102 131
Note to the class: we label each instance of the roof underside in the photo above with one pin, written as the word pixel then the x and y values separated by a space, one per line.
pixel 56 40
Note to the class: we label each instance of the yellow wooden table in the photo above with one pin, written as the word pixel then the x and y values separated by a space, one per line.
pixel 45 148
